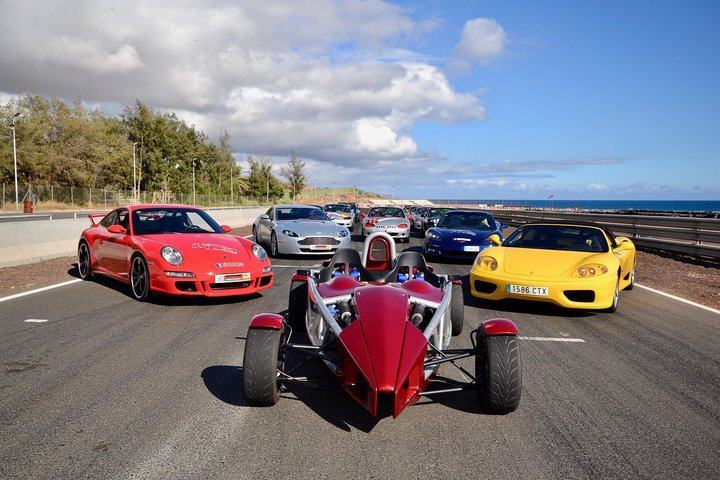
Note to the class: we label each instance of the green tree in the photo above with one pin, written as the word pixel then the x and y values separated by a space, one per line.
pixel 262 184
pixel 295 175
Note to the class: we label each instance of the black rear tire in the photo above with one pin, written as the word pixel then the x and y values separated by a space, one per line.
pixel 260 367
pixel 297 303
pixel 499 373
pixel 457 309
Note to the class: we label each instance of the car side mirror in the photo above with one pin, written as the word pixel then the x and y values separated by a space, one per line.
pixel 264 216
pixel 495 238
pixel 226 228
pixel 119 229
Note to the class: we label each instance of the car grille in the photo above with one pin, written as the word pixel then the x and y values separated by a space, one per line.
pixel 485 287
pixel 319 241
pixel 580 295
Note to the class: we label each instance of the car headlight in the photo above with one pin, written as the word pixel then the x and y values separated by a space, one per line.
pixel 486 263
pixel 171 255
pixel 590 270
pixel 259 252
pixel 343 233
pixel 432 235
pixel 289 233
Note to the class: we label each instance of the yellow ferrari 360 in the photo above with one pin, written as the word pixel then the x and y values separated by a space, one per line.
pixel 574 265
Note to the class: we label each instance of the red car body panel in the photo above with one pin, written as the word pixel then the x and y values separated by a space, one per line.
pixel 381 352
pixel 205 256
pixel 500 326
pixel 267 320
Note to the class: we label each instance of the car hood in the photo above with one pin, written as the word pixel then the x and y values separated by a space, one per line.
pixel 544 263
pixel 203 246
pixel 463 235
pixel 306 228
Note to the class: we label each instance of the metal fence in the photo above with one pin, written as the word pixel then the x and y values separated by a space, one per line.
pixel 79 197
pixel 685 235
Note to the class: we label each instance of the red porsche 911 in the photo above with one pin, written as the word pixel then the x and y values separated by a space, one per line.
pixel 172 249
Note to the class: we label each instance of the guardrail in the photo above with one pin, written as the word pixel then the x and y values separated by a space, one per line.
pixel 685 235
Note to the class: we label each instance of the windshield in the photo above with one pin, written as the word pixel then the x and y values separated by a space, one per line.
pixel 474 220
pixel 437 212
pixel 338 208
pixel 557 237
pixel 299 213
pixel 149 221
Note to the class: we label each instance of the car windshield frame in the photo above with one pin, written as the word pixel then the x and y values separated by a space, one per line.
pixel 574 238
pixel 285 213
pixel 176 220
pixel 467 220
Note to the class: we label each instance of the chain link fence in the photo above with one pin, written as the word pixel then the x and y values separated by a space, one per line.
pixel 56 196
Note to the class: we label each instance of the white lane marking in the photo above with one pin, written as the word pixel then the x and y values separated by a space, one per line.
pixel 38 290
pixel 35 320
pixel 552 339
pixel 299 267
pixel 679 299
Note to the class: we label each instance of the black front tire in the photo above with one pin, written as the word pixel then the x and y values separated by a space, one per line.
pixel 140 278
pixel 616 298
pixel 457 309
pixel 84 262
pixel 498 373
pixel 273 245
pixel 297 303
pixel 260 367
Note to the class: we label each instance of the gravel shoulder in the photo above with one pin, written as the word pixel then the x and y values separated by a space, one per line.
pixel 683 277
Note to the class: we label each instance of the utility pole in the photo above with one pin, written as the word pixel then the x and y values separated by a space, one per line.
pixel 12 125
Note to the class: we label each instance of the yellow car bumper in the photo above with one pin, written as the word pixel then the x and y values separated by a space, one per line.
pixel 591 293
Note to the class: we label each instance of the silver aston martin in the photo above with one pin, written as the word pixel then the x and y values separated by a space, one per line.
pixel 299 230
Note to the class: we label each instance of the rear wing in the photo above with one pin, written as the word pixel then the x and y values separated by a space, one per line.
pixel 94 216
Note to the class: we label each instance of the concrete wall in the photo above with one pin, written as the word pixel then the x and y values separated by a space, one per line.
pixel 35 241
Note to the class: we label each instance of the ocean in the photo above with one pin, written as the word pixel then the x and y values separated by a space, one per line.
pixel 612 205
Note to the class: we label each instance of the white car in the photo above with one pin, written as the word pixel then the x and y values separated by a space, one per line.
pixel 299 230
pixel 391 220
pixel 340 214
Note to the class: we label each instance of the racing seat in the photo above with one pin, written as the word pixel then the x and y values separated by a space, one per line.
pixel 412 261
pixel 347 259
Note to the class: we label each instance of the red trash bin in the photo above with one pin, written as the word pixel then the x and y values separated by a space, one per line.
pixel 27 206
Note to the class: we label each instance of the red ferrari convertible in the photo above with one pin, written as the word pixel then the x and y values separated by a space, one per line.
pixel 172 249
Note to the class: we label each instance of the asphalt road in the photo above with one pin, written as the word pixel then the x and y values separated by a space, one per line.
pixel 96 385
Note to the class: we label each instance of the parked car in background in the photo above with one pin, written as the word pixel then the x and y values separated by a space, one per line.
pixel 300 230
pixel 433 216
pixel 341 214
pixel 172 249
pixel 418 219
pixel 390 220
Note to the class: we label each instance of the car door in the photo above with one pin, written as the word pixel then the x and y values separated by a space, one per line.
pixel 116 247
pixel 265 226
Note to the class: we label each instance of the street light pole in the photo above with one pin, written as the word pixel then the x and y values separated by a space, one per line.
pixel 193 168
pixel 134 176
pixel 12 125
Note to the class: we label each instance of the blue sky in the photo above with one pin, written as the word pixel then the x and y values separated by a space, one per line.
pixel 431 99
